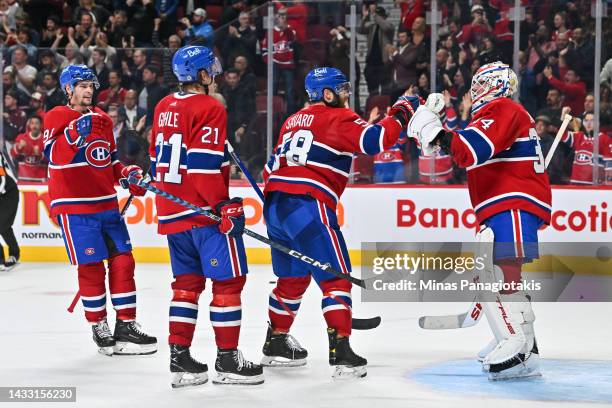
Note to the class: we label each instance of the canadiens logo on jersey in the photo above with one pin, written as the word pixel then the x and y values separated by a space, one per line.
pixel 584 158
pixel 98 154
pixel 89 251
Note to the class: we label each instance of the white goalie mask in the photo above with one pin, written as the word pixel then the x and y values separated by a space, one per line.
pixel 492 81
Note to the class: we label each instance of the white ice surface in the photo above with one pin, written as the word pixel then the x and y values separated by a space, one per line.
pixel 43 345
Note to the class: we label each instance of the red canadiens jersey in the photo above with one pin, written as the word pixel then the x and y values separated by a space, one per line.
pixel 505 167
pixel 81 180
pixel 435 170
pixel 582 144
pixel 189 158
pixel 315 151
pixel 608 161
pixel 282 52
pixel 32 161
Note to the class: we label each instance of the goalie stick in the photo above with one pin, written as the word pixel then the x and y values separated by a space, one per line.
pixel 472 316
pixel 356 323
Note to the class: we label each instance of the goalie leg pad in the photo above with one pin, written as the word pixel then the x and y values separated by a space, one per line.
pixel 501 363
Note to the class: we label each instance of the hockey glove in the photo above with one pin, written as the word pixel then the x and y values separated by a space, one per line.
pixel 135 189
pixel 85 129
pixel 232 217
pixel 435 102
pixel 404 108
pixel 425 127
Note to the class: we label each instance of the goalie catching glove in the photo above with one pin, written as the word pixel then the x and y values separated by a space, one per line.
pixel 135 171
pixel 425 126
pixel 88 127
pixel 232 217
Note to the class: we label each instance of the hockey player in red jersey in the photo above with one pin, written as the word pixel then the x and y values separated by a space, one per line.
pixel 511 195
pixel 304 181
pixel 83 170
pixel 191 161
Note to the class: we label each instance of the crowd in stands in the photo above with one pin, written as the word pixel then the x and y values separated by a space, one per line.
pixel 130 44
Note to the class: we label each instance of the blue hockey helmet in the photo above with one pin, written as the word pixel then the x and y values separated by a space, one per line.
pixel 191 59
pixel 321 78
pixel 73 74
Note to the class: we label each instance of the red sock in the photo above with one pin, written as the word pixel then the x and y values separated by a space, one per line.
pixel 285 302
pixel 93 291
pixel 337 304
pixel 512 272
pixel 226 311
pixel 186 290
pixel 122 285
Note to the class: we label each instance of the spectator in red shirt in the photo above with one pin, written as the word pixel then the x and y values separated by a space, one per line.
pixel 559 21
pixel 114 94
pixel 572 88
pixel 297 14
pixel 282 55
pixel 474 33
pixel 411 9
pixel 28 151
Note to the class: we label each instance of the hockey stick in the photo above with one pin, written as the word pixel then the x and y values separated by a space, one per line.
pixel 472 316
pixel 558 137
pixel 252 234
pixel 356 323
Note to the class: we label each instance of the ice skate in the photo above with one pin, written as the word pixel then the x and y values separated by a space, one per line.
pixel 103 338
pixel 131 340
pixel 185 370
pixel 232 368
pixel 282 350
pixel 347 364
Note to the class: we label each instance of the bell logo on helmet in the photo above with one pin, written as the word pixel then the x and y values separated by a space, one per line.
pixel 193 52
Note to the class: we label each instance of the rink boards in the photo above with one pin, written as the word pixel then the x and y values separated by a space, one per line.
pixel 395 213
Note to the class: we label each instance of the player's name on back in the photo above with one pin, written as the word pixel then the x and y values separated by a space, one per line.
pixel 168 119
pixel 300 120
